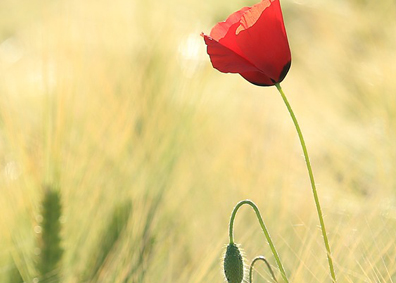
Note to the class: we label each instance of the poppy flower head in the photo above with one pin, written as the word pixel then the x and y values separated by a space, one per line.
pixel 253 43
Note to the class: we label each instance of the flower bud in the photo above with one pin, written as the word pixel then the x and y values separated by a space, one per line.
pixel 233 264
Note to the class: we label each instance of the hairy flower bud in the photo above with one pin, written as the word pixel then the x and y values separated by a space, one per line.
pixel 233 264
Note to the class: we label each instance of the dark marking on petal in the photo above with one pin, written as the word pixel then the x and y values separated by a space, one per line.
pixel 284 72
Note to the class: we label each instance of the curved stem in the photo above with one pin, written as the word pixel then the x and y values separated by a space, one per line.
pixel 257 258
pixel 263 227
pixel 311 177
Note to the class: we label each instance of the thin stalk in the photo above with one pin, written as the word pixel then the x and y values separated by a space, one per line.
pixel 268 266
pixel 311 177
pixel 263 227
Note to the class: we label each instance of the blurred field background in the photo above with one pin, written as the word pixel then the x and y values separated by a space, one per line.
pixel 114 105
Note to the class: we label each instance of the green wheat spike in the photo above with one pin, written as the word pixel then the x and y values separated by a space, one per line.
pixel 110 236
pixel 50 243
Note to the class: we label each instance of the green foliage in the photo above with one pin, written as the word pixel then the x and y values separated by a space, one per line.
pixel 14 276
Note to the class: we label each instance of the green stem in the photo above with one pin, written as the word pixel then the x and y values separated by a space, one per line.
pixel 263 227
pixel 311 177
pixel 268 266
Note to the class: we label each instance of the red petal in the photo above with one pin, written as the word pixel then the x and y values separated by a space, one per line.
pixel 261 37
pixel 220 30
pixel 257 78
pixel 226 60
pixel 225 32
pixel 252 42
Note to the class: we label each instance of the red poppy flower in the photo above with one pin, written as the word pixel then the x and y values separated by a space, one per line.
pixel 253 43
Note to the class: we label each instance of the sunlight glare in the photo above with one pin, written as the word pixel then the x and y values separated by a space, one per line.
pixel 191 54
